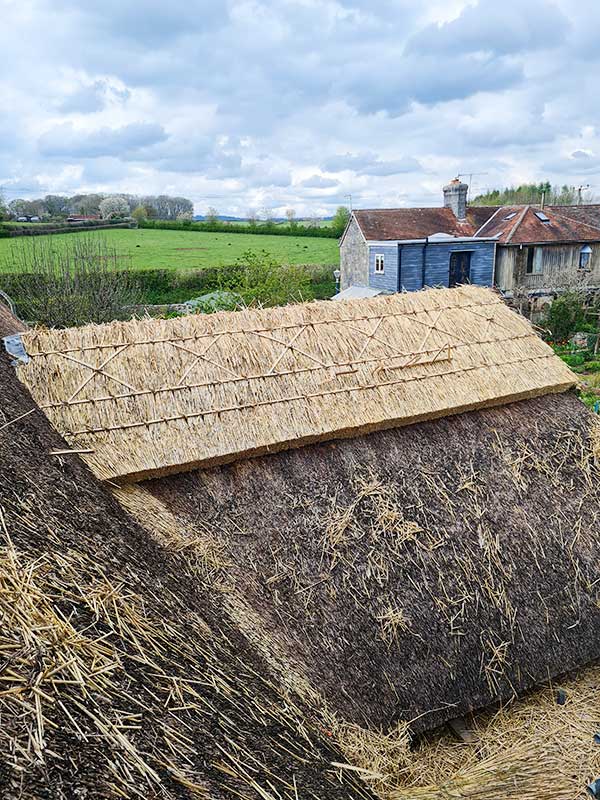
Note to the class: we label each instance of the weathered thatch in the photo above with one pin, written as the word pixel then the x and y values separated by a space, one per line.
pixel 9 324
pixel 121 675
pixel 152 397
pixel 413 574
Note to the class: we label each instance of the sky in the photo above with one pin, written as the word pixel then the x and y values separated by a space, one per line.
pixel 307 104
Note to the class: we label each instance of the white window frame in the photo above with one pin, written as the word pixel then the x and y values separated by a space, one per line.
pixel 585 259
pixel 379 267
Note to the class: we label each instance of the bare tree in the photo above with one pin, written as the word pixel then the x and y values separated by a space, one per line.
pixel 212 215
pixel 62 282
pixel 290 213
pixel 252 216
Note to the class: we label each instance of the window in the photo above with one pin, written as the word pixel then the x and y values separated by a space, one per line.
pixel 512 215
pixel 460 268
pixel 535 256
pixel 379 264
pixel 585 257
pixel 542 217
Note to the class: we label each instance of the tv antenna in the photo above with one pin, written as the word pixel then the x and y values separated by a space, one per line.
pixel 470 176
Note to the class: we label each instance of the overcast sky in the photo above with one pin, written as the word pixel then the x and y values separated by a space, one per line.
pixel 251 104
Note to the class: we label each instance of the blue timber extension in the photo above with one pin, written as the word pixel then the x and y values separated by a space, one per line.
pixel 410 266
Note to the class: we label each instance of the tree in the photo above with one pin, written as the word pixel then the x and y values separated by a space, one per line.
pixel 114 206
pixel 56 205
pixel 290 213
pixel 211 216
pixel 139 214
pixel 79 282
pixel 4 212
pixel 340 220
pixel 532 194
pixel 86 204
pixel 27 208
pixel 185 216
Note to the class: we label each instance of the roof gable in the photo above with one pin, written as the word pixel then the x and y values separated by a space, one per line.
pixel 533 225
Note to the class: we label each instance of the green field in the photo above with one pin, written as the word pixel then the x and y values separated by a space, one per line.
pixel 160 249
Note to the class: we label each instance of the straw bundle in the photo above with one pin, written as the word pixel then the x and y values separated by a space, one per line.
pixel 534 748
pixel 153 397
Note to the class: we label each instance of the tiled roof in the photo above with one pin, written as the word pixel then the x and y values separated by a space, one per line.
pixel 417 223
pixel 522 225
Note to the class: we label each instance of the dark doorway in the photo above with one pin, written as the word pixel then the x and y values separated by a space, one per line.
pixel 460 268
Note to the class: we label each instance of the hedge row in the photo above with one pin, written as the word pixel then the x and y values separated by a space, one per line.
pixel 46 230
pixel 162 286
pixel 265 228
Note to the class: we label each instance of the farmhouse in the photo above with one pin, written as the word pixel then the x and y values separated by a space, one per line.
pixel 526 251
pixel 407 249
pixel 543 251
pixel 387 508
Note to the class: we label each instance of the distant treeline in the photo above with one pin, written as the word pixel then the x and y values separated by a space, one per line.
pixel 534 194
pixel 56 206
pixel 43 229
pixel 268 228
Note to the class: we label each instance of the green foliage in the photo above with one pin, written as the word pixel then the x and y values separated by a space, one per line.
pixel 269 228
pixel 260 279
pixel 566 316
pixel 340 220
pixel 140 214
pixel 528 193
pixel 71 285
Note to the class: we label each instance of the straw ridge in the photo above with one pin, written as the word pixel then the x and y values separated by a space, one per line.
pixel 154 397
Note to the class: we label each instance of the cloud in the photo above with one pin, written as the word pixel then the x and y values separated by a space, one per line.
pixel 297 102
pixel 319 182
pixel 68 142
pixel 370 164
pixel 493 27
pixel 92 97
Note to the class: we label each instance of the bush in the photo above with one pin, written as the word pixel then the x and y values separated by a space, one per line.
pixel 261 280
pixel 566 316
pixel 78 283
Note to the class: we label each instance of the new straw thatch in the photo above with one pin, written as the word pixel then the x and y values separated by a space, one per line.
pixel 153 397
pixel 121 674
pixel 410 575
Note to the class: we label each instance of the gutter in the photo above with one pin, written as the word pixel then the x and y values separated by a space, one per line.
pixel 427 239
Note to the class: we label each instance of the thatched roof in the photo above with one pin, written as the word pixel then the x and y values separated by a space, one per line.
pixel 9 324
pixel 121 674
pixel 412 574
pixel 152 397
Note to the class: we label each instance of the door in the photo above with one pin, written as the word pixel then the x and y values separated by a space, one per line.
pixel 460 268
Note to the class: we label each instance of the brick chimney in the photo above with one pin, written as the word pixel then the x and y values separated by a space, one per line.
pixel 455 197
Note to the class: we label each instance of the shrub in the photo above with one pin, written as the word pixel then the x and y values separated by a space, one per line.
pixel 261 280
pixel 78 283
pixel 566 316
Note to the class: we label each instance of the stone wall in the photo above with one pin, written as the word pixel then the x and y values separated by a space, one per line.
pixel 354 258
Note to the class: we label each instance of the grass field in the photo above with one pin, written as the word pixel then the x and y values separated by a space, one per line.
pixel 159 249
